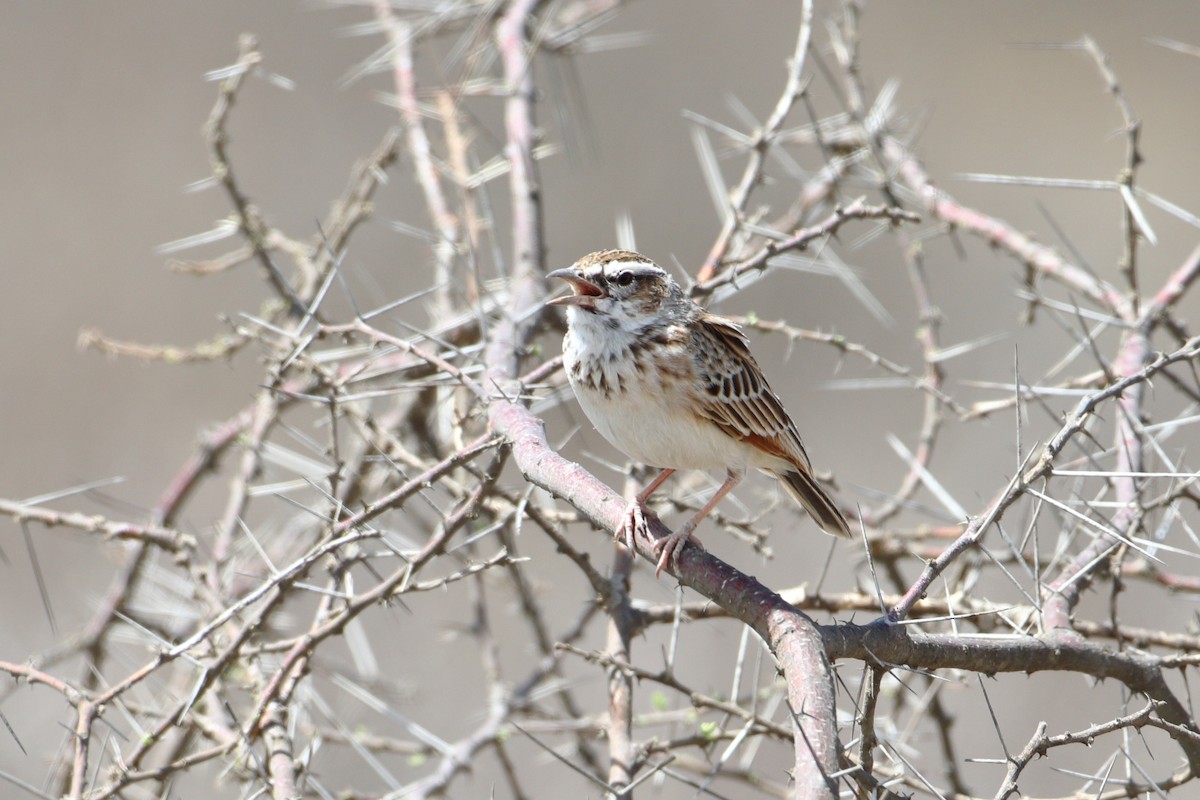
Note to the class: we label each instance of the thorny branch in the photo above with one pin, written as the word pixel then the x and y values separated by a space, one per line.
pixel 385 459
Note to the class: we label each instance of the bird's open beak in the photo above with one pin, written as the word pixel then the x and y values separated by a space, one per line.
pixel 585 292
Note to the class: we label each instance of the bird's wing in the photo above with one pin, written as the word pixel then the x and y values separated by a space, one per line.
pixel 735 395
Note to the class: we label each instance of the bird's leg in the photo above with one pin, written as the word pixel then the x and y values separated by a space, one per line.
pixel 653 485
pixel 670 545
pixel 635 516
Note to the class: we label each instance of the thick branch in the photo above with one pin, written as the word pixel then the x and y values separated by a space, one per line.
pixel 891 645
pixel 792 636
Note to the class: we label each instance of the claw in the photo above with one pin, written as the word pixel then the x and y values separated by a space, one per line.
pixel 670 546
pixel 633 524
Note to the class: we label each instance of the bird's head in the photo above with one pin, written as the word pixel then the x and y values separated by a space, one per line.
pixel 618 288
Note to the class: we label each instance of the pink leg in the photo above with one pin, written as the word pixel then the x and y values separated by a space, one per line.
pixel 635 518
pixel 653 485
pixel 669 546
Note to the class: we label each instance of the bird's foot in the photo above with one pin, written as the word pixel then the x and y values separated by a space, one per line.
pixel 633 524
pixel 669 547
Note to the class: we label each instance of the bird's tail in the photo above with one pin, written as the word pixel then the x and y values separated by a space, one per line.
pixel 815 500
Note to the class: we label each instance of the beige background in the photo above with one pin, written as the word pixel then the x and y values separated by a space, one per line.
pixel 103 106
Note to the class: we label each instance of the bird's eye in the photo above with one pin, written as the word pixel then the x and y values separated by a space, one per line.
pixel 623 278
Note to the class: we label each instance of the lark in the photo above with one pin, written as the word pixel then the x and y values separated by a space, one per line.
pixel 675 387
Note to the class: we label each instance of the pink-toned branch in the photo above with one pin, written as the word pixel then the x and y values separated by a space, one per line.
pixel 752 175
pixel 791 635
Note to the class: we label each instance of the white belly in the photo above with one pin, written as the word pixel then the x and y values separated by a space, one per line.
pixel 651 433
pixel 651 425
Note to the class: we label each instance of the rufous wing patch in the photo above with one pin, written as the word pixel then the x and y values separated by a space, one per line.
pixel 736 396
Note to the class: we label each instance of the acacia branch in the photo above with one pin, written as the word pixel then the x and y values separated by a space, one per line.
pixel 792 636
pixel 890 645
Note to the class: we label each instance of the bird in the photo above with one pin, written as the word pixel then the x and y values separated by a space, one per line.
pixel 676 387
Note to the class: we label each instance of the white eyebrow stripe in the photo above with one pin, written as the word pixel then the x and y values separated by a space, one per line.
pixel 640 268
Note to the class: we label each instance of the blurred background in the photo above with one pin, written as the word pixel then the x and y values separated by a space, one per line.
pixel 102 136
